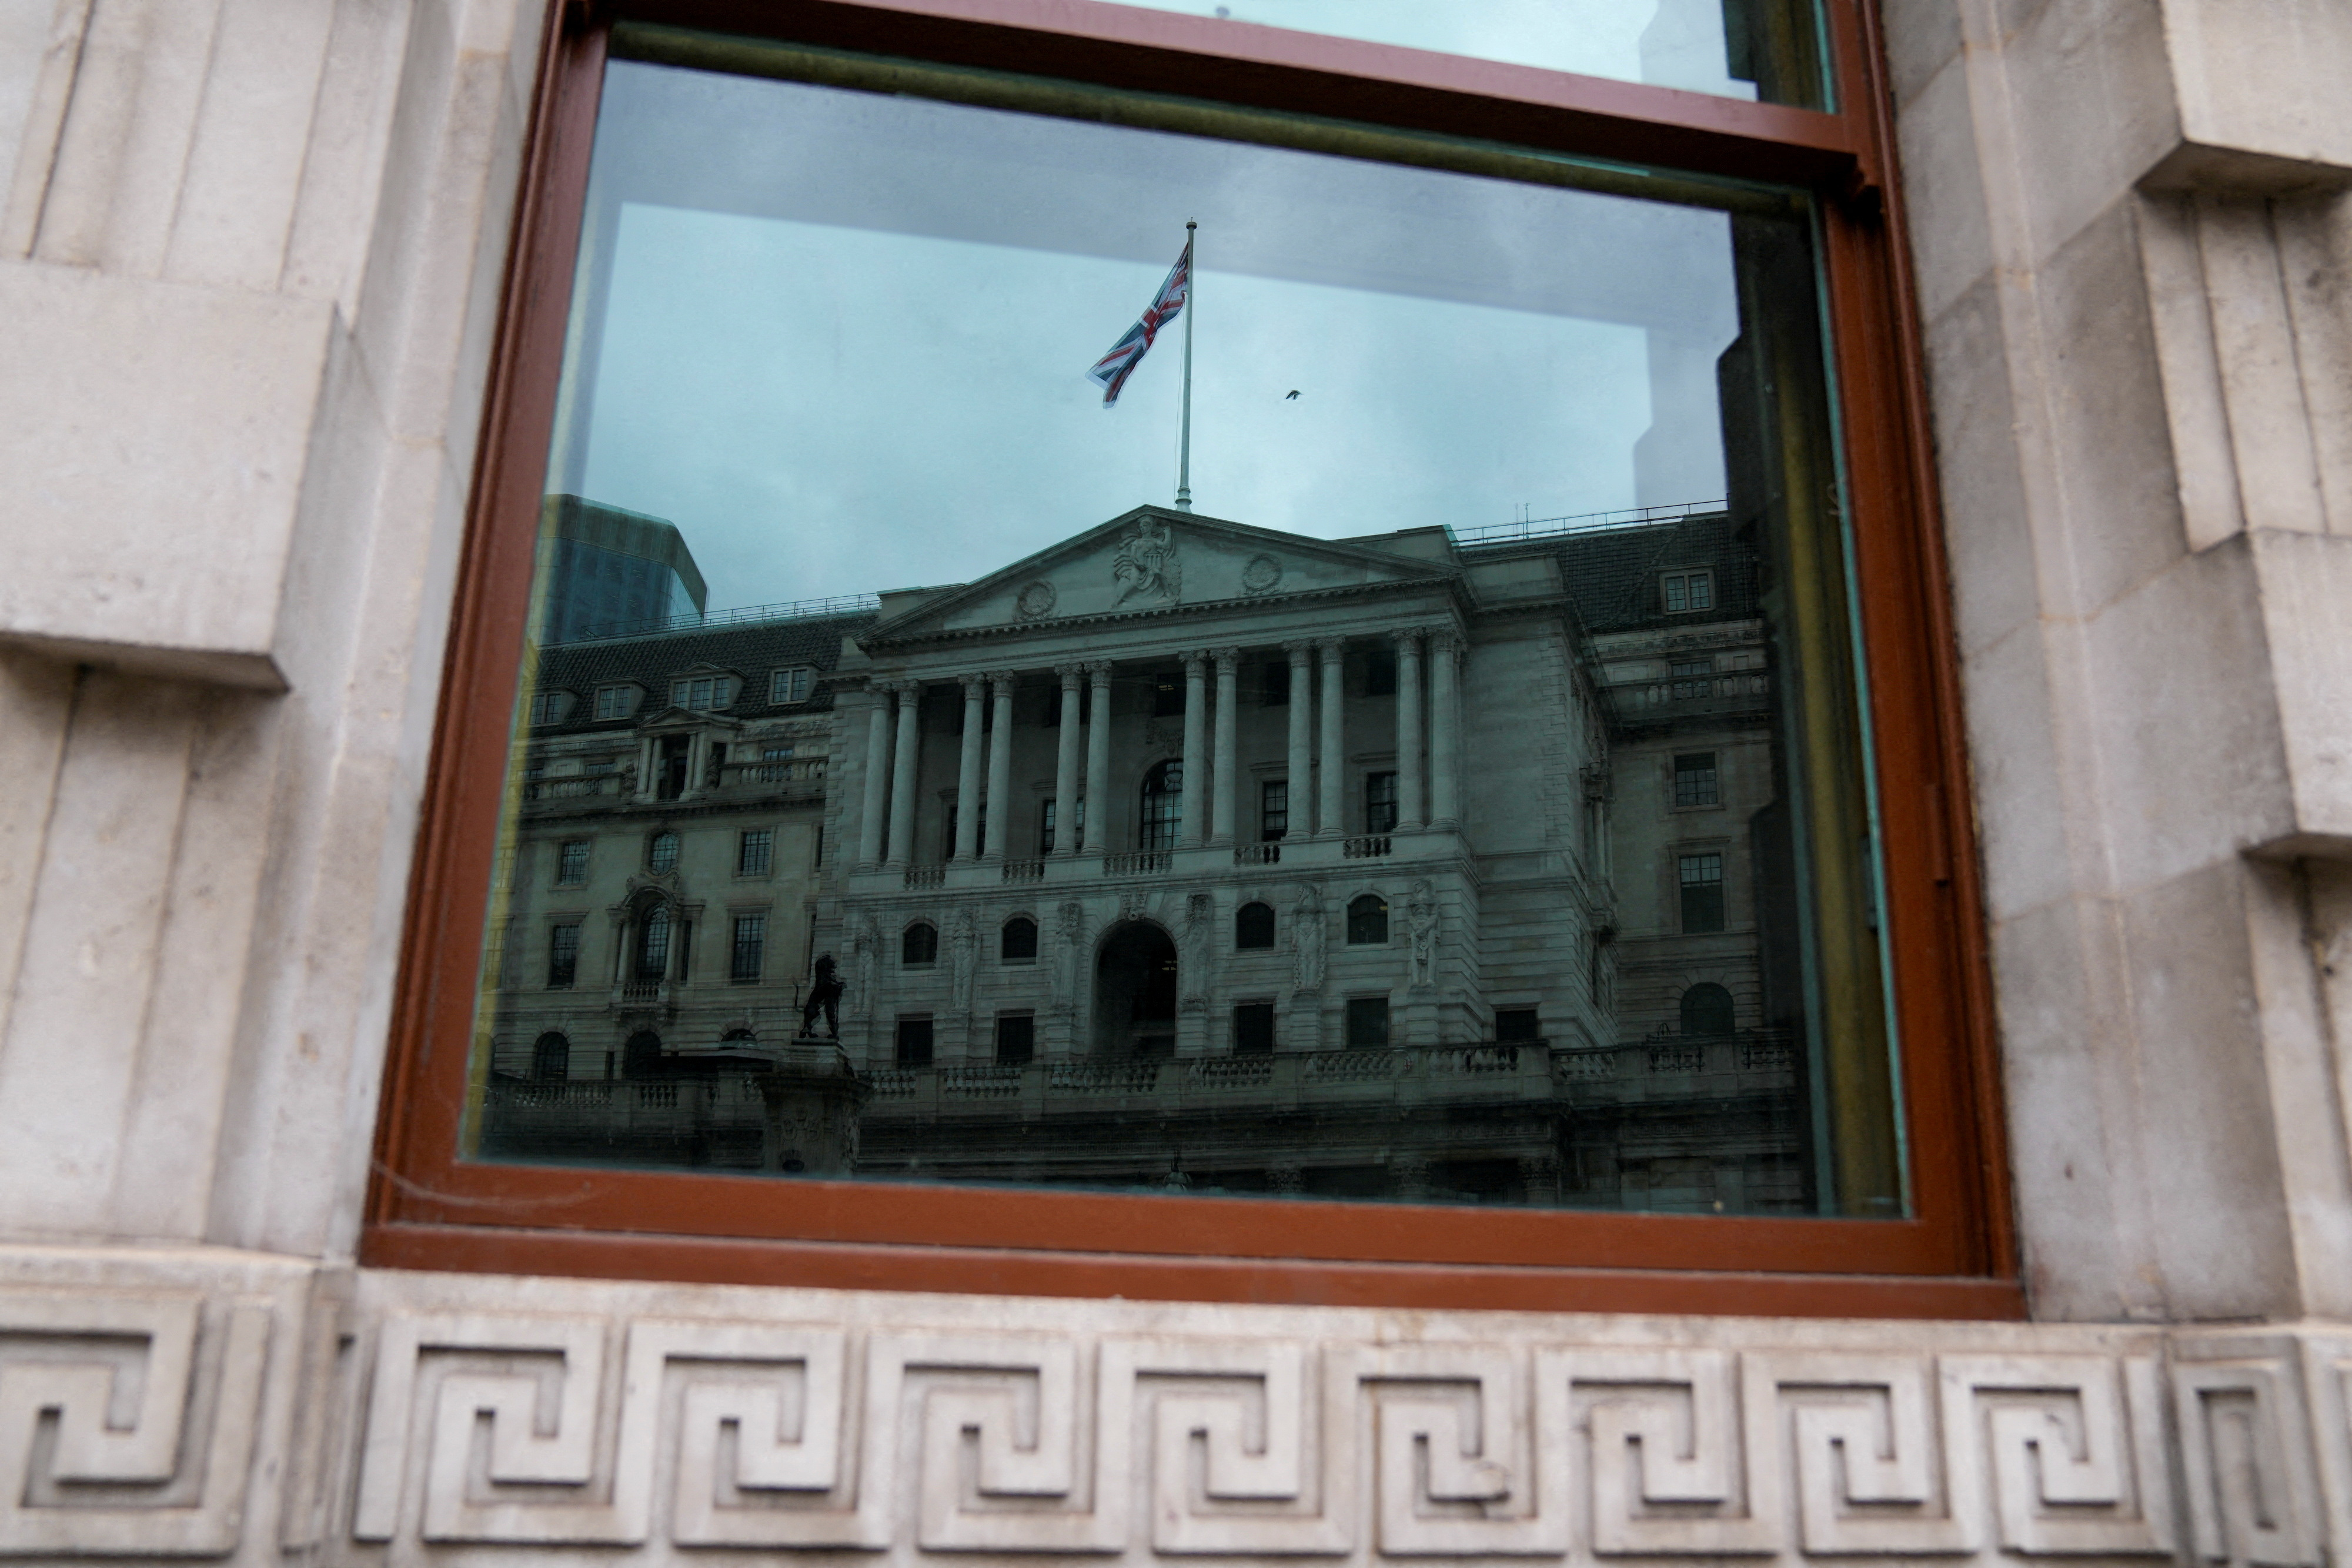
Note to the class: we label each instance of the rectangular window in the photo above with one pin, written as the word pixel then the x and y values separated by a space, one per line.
pixel 1518 1024
pixel 571 863
pixel 1690 678
pixel 550 708
pixel 1655 412
pixel 1253 1029
pixel 1273 810
pixel 790 686
pixel 755 852
pixel 1016 1038
pixel 616 702
pixel 1047 815
pixel 750 949
pixel 1702 889
pixel 562 956
pixel 1695 778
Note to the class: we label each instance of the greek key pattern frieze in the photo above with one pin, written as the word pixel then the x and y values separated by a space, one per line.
pixel 663 1434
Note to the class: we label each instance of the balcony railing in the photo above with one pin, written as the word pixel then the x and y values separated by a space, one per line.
pixel 919 877
pixel 1140 862
pixel 807 770
pixel 1739 689
pixel 580 789
pixel 1371 846
pixel 1257 854
pixel 1024 871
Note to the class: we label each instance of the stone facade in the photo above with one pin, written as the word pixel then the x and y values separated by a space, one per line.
pixel 249 252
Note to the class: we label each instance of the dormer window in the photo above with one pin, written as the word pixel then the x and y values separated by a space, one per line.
pixel 1685 592
pixel 792 685
pixel 699 693
pixel 616 702
pixel 550 708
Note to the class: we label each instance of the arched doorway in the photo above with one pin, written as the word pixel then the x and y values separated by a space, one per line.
pixel 1135 992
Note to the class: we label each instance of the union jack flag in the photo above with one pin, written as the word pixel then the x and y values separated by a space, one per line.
pixel 1112 370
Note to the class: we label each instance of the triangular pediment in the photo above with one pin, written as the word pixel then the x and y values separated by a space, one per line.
pixel 1155 559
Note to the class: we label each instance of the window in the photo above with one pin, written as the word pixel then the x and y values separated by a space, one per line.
pixel 1016 1038
pixel 1163 806
pixel 1689 679
pixel 1702 889
pixel 1368 1023
pixel 571 863
pixel 562 955
pixel 1273 810
pixel 699 693
pixel 551 1056
pixel 914 1043
pixel 1273 684
pixel 1695 778
pixel 661 851
pixel 1732 300
pixel 653 946
pixel 550 708
pixel 1046 814
pixel 1706 1009
pixel 1367 919
pixel 790 686
pixel 1253 1029
pixel 755 852
pixel 642 1056
pixel 1253 925
pixel 1017 943
pixel 616 702
pixel 1518 1024
pixel 1168 694
pixel 751 947
pixel 1687 593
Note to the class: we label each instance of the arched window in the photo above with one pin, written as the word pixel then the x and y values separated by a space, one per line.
pixel 661 852
pixel 551 1057
pixel 1163 806
pixel 653 943
pixel 920 944
pixel 1367 919
pixel 1253 925
pixel 641 1058
pixel 1019 944
pixel 739 1037
pixel 1707 1009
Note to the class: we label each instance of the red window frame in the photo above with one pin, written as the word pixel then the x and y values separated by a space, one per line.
pixel 1954 1257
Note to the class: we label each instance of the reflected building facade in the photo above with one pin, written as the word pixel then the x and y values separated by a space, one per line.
pixel 1185 854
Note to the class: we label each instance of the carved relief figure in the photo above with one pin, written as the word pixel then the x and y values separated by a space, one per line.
pixel 1069 927
pixel 1146 563
pixel 1421 920
pixel 964 951
pixel 865 951
pixel 1199 922
pixel 1306 942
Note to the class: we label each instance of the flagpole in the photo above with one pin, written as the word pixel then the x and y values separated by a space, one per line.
pixel 1184 440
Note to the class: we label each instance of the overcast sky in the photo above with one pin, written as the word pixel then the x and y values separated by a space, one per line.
pixel 848 352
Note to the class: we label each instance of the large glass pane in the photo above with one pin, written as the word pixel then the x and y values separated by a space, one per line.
pixel 1734 48
pixel 1457 797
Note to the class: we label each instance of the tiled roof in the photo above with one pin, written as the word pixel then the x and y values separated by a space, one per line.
pixel 1612 574
pixel 653 661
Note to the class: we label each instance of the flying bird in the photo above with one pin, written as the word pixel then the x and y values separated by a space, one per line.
pixel 1293 397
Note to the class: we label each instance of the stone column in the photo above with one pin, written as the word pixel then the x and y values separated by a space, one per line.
pixel 1412 808
pixel 1065 764
pixel 1445 729
pixel 649 764
pixel 1196 750
pixel 1301 782
pixel 902 775
pixel 1330 816
pixel 967 830
pixel 1099 761
pixel 1000 767
pixel 877 779
pixel 1226 781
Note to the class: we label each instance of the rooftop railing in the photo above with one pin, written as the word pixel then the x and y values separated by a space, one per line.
pixel 1582 523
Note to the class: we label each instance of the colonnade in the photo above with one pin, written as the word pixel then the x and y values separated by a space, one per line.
pixel 1428 755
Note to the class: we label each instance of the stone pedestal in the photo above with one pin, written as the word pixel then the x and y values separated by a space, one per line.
pixel 814 1097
